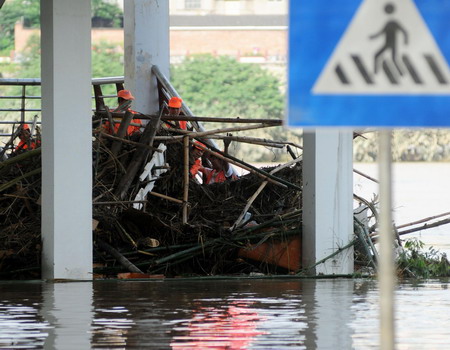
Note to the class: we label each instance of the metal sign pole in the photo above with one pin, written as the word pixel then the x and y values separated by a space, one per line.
pixel 386 268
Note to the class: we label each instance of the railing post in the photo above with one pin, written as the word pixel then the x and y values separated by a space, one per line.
pixel 22 109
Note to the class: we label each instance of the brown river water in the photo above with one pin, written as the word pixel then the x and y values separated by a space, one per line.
pixel 233 313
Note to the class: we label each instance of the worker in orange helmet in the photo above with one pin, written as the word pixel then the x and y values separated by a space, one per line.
pixel 125 99
pixel 174 106
pixel 26 141
pixel 195 158
pixel 221 170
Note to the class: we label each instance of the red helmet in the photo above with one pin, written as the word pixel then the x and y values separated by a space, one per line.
pixel 125 94
pixel 175 102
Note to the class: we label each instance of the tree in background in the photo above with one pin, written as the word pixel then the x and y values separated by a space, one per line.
pixel 29 11
pixel 111 14
pixel 11 12
pixel 107 60
pixel 223 87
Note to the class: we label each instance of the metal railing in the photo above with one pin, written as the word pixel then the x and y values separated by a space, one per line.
pixel 7 112
pixel 165 92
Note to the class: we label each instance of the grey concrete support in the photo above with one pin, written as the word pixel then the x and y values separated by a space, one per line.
pixel 67 139
pixel 146 43
pixel 327 200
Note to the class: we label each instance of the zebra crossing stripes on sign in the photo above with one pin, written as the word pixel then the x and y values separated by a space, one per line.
pixel 374 63
pixel 394 54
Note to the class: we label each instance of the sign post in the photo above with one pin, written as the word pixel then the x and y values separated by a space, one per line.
pixel 371 63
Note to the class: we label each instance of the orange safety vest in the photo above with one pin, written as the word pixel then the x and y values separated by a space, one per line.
pixel 131 128
pixel 183 124
pixel 24 145
pixel 214 176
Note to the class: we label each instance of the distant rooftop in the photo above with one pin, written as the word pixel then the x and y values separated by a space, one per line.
pixel 228 21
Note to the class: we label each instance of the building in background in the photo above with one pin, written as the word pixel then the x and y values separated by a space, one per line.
pixel 249 30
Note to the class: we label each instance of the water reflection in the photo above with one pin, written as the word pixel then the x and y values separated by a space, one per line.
pixel 20 324
pixel 232 327
pixel 67 307
pixel 217 314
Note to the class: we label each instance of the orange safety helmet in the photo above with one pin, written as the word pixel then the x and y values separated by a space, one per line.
pixel 175 102
pixel 125 94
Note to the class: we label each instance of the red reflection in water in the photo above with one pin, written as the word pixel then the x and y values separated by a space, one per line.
pixel 213 328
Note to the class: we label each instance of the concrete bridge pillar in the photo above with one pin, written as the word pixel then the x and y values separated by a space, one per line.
pixel 327 200
pixel 66 139
pixel 146 43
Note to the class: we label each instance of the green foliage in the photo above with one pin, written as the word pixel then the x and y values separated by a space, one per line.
pixel 223 87
pixel 30 66
pixel 11 12
pixel 29 10
pixel 107 60
pixel 415 262
pixel 106 10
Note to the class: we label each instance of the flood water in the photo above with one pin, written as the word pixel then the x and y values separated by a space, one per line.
pixel 282 313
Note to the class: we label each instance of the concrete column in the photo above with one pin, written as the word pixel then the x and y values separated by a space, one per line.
pixel 146 44
pixel 66 139
pixel 327 200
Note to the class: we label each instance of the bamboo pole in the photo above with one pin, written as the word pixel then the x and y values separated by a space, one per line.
pixel 243 165
pixel 423 220
pixel 275 122
pixel 171 199
pixel 119 257
pixel 20 157
pixel 160 195
pixel 248 139
pixel 8 184
pixel 186 146
pixel 425 227
pixel 137 144
pixel 111 120
pixel 259 142
pixel 121 132
pixel 220 131
pixel 138 157
pixel 366 176
pixel 189 253
pixel 191 118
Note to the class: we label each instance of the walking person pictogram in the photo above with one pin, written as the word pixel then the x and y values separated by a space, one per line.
pixel 390 31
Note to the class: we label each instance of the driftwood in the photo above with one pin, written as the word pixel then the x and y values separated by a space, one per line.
pixel 221 155
pixel 258 191
pixel 421 221
pixel 119 257
pixel 197 119
pixel 138 157
pixel 137 144
pixel 199 228
pixel 186 146
pixel 121 132
pixel 425 227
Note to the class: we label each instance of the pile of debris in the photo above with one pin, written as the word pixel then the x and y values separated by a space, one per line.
pixel 151 217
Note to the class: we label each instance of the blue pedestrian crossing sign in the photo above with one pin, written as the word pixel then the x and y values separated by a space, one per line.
pixel 355 63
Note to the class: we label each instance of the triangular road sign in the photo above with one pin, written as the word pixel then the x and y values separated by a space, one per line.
pixel 387 49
